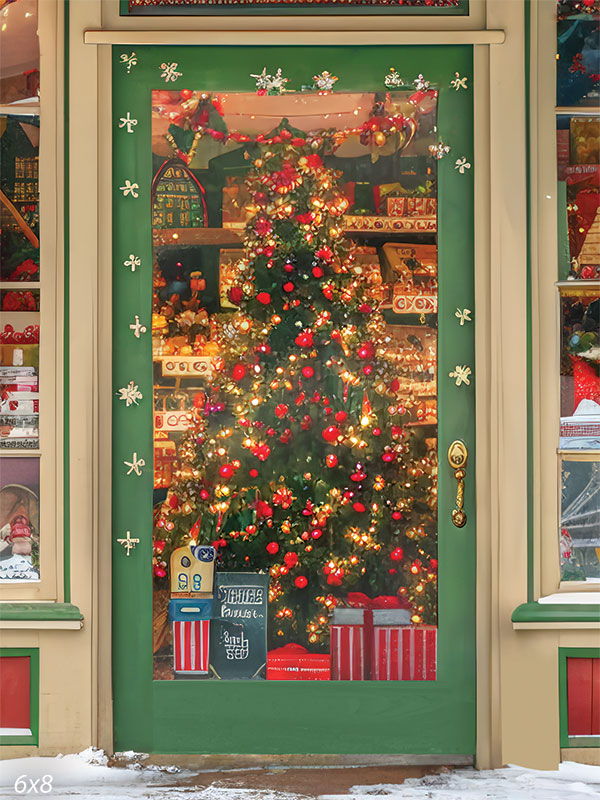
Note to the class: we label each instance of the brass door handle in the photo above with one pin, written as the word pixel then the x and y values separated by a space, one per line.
pixel 457 458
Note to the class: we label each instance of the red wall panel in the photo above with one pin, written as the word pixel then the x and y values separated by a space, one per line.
pixel 14 692
pixel 583 696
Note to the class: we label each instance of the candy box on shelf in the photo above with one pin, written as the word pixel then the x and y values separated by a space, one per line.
pixel 293 662
pixel 409 260
pixel 411 206
pixel 403 652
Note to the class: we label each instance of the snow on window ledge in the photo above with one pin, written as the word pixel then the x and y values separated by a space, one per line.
pixel 581 598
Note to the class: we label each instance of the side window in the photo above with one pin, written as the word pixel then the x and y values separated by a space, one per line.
pixel 578 172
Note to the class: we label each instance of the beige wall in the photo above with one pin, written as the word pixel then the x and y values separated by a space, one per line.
pixel 517 670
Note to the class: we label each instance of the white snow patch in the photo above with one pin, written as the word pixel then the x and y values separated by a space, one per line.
pixel 570 782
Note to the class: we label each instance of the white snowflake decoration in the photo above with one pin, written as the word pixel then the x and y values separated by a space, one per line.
pixel 274 84
pixel 127 122
pixel 130 188
pixel 438 151
pixel 130 61
pixel 458 82
pixel 133 261
pixel 462 164
pixel 169 71
pixel 420 83
pixel 325 81
pixel 135 465
pixel 464 315
pixel 461 374
pixel 130 393
pixel 138 328
pixel 392 79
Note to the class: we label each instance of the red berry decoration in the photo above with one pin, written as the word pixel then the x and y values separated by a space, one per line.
pixel 281 410
pixel 291 559
pixel 340 416
pixel 253 473
pixel 273 548
pixel 226 471
pixel 397 554
pixel 308 372
pixel 264 298
pixel 331 434
pixel 239 372
pixel 359 507
pixel 317 272
pixel 331 461
pixel 301 582
pixel 288 287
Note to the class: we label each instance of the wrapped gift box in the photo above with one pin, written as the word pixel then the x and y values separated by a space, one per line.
pixel 191 635
pixel 350 648
pixel 294 663
pixel 403 652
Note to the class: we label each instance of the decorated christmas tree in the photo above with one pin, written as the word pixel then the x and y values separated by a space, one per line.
pixel 300 458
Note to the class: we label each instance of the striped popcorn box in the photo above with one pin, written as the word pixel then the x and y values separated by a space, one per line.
pixel 191 635
pixel 351 631
pixel 404 652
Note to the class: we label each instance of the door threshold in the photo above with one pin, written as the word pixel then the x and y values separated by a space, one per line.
pixel 228 762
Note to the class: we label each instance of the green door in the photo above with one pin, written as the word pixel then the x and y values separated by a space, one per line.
pixel 293 356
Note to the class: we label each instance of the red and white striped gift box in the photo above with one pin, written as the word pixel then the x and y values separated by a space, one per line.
pixel 349 646
pixel 190 647
pixel 404 653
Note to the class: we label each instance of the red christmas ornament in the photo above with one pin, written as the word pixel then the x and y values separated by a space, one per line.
pixel 301 582
pixel 185 94
pixel 397 554
pixel 304 339
pixel 331 434
pixel 328 293
pixel 395 385
pixel 317 272
pixel 305 536
pixel 264 298
pixel 308 372
pixel 253 473
pixel 365 308
pixel 376 431
pixel 316 533
pixel 366 350
pixel 396 515
pixel 357 477
pixel 272 548
pixel 368 369
pixel 204 494
pixel 291 559
pixel 173 501
pixel 340 416
pixel 288 287
pixel 359 507
pixel 281 410
pixel 226 471
pixel 239 372
pixel 331 460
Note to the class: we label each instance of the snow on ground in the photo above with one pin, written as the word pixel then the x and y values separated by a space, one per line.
pixel 87 775
pixel 570 782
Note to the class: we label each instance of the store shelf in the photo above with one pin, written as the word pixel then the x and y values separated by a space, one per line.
pixel 577 111
pixel 20 285
pixel 198 236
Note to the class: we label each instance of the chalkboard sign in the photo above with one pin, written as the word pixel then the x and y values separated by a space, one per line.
pixel 238 631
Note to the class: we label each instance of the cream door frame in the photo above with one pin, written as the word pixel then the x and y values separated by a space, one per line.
pixel 500 319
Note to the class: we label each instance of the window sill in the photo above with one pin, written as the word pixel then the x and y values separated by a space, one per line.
pixel 40 616
pixel 547 614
